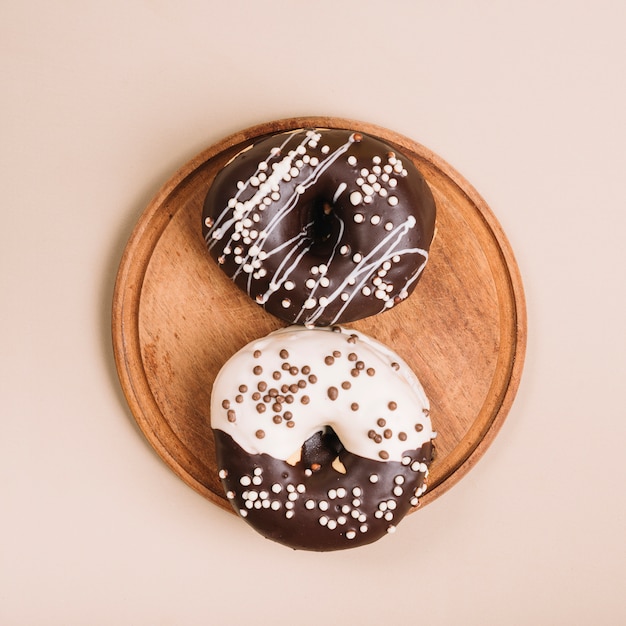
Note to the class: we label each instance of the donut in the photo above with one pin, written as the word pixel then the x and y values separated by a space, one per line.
pixel 320 226
pixel 323 437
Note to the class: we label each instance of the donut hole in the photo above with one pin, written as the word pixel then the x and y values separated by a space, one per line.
pixel 321 225
pixel 321 449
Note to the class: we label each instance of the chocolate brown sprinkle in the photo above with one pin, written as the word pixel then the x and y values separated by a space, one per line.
pixel 293 370
pixel 305 399
pixel 419 428
pixel 262 386
pixel 260 434
pixel 302 383
pixel 381 422
pixel 388 434
pixel 306 370
pixel 231 416
pixel 273 392
pixel 329 360
pixel 256 395
pixel 277 419
pixel 396 366
pixel 336 354
pixel 257 370
pixel 288 415
pixel 243 388
pixel 352 356
pixel 392 405
pixel 225 404
pixel 355 372
pixel 315 467
pixel 260 407
pixel 402 436
pixel 359 365
pixel 378 439
pixel 383 454
pixel 371 434
pixel 289 399
pixel 239 398
pixel 276 375
pixel 352 339
pixel 284 354
pixel 354 406
pixel 284 388
pixel 285 366
pixel 277 407
pixel 346 384
pixel 371 371
pixel 312 379
pixel 293 388
pixel 257 354
pixel 290 424
pixel 333 393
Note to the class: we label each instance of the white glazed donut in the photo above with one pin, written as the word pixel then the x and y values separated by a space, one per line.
pixel 323 437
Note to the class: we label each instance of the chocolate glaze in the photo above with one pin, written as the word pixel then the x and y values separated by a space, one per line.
pixel 321 226
pixel 326 500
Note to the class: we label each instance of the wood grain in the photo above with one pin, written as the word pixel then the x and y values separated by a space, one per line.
pixel 177 318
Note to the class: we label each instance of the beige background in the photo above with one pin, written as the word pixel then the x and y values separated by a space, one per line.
pixel 103 101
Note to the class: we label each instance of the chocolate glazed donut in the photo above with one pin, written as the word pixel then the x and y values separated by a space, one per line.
pixel 321 226
pixel 323 437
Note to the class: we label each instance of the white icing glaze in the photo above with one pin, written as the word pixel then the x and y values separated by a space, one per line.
pixel 313 378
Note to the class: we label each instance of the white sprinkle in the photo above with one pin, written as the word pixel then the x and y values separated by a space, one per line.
pixel 391 505
pixel 341 492
pixel 323 301
pixel 309 303
pixel 223 473
pixel 363 528
pixel 300 488
pixel 289 285
pixel 356 502
pixel 392 200
pixel 243 512
pixel 290 488
pixel 356 198
pixel 324 282
pixel 374 478
pixel 314 270
pixel 378 514
pixel 364 172
pixel 230 495
pixel 377 169
pixel 314 160
pixel 399 480
pixel 362 518
pixel 257 480
pixel 366 291
pixel 368 190
pixel 293 172
pixel 245 480
pixel 358 217
pixel 393 182
pixel 289 514
pixel 275 505
pixel 398 491
pixel 388 516
pixel 406 460
pixel 391 529
pixel 300 190
pixel 415 466
pixel 286 303
pixel 388 226
pixel 371 178
pixel 332 524
pixel 310 283
pixel 357 257
pixel 290 504
pixel 382 506
pixel 323 505
pixel 341 520
pixel 375 219
pixel 310 504
pixel 332 494
pixel 352 160
pixel 252 495
pixel 357 490
pixel 344 297
pixel 350 534
pixel 414 501
pixel 325 149
pixel 292 496
pixel 323 520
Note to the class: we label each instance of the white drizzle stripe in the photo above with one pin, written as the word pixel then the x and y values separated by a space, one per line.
pixel 391 391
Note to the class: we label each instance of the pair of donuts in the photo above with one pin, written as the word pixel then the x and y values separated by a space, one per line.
pixel 323 435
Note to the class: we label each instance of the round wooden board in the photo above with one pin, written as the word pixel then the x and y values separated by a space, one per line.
pixel 177 318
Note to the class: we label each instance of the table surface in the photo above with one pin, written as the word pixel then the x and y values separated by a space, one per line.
pixel 103 102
